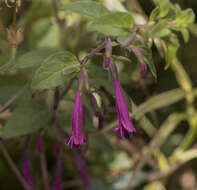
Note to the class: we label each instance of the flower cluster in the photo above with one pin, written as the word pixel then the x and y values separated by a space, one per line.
pixel 125 124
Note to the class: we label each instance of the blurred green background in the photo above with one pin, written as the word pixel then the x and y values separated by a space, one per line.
pixel 110 162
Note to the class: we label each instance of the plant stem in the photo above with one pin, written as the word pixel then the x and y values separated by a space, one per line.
pixel 11 61
pixel 167 127
pixel 44 170
pixel 13 166
pixel 12 99
pixel 189 138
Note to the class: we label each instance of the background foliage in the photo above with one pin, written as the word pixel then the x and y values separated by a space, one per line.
pixel 57 34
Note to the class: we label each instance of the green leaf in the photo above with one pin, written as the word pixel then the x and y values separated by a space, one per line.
pixel 160 30
pixel 108 30
pixel 49 74
pixel 154 14
pixel 26 119
pixel 149 61
pixel 32 58
pixel 184 18
pixel 172 48
pixel 164 6
pixel 185 34
pixel 115 24
pixel 116 19
pixel 87 8
pixel 10 85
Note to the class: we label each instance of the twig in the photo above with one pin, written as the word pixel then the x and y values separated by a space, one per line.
pixel 44 170
pixel 154 176
pixel 57 18
pixel 12 99
pixel 170 97
pixel 70 83
pixel 56 98
pixel 92 53
pixel 13 166
pixel 167 127
pixel 11 61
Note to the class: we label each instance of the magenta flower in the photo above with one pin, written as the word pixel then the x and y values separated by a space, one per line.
pixel 125 124
pixel 26 169
pixel 76 137
pixel 107 61
pixel 143 67
pixel 58 178
pixel 82 169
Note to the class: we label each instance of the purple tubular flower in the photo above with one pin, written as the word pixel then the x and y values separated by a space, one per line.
pixel 125 124
pixel 40 144
pixel 143 69
pixel 129 40
pixel 76 137
pixel 57 148
pixel 107 61
pixel 33 95
pixel 26 169
pixel 58 178
pixel 82 170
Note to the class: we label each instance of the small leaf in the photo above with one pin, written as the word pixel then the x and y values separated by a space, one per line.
pixel 172 48
pixel 154 14
pixel 160 30
pixel 164 7
pixel 87 8
pixel 149 61
pixel 184 18
pixel 32 58
pixel 26 119
pixel 185 34
pixel 49 74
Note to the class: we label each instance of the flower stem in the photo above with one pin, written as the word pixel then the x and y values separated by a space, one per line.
pixel 13 166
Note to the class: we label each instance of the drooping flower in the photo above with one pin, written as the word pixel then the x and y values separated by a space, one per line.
pixel 82 169
pixel 125 124
pixel 76 138
pixel 129 40
pixel 26 169
pixel 107 61
pixel 33 95
pixel 58 177
pixel 143 67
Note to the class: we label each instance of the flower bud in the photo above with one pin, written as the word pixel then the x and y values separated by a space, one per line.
pixel 108 50
pixel 15 37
